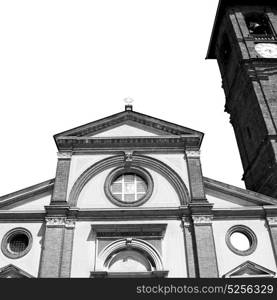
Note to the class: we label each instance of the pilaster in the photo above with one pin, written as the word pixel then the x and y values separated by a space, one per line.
pixel 205 247
pixel 61 179
pixel 271 219
pixel 191 259
pixel 57 247
pixel 195 176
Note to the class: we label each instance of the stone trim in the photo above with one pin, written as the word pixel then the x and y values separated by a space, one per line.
pixel 137 161
pixel 249 234
pixel 42 188
pixel 61 180
pixel 59 222
pixel 167 142
pixel 202 220
pixel 157 125
pixel 64 155
pixel 272 221
pixel 192 154
pixel 57 247
pixel 196 179
pixel 5 242
pixel 11 271
pixel 120 171
pixel 243 194
pixel 127 243
pixel 191 259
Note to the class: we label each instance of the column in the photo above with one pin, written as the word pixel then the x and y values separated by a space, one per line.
pixel 191 260
pixel 205 247
pixel 61 179
pixel 195 176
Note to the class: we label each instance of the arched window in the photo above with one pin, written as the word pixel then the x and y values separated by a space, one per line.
pixel 129 261
pixel 129 257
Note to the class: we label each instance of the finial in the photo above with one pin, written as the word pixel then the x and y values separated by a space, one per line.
pixel 128 103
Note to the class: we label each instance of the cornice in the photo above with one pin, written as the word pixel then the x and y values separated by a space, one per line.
pixel 160 126
pixel 133 213
pixel 71 143
pixel 249 212
pixel 22 216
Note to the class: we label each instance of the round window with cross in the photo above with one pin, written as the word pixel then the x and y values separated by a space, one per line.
pixel 129 187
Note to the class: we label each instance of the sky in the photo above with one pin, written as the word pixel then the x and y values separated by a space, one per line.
pixel 67 63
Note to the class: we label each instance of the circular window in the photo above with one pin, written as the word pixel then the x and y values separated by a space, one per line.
pixel 241 240
pixel 16 243
pixel 129 187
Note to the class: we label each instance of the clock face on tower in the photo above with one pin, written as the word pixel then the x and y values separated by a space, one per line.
pixel 266 50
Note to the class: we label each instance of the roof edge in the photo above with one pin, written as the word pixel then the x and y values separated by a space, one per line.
pixel 244 194
pixel 37 189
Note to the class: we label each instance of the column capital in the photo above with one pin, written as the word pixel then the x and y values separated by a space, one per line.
pixel 202 219
pixel 64 155
pixel 186 221
pixel 192 153
pixel 59 222
pixel 55 221
pixel 272 221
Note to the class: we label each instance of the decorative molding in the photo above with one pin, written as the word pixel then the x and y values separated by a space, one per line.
pixel 148 230
pixel 6 241
pixel 248 233
pixel 70 223
pixel 202 220
pixel 55 221
pixel 256 271
pixel 59 222
pixel 11 271
pixel 138 161
pixel 272 221
pixel 244 194
pixel 128 159
pixel 193 153
pixel 158 125
pixel 64 155
pixel 121 244
pixel 42 188
pixel 145 175
pixel 152 142
pixel 186 221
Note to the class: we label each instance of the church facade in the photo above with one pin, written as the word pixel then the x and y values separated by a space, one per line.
pixel 129 198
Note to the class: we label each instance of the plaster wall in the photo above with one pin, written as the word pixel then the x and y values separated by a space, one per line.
pixel 93 195
pixel 228 260
pixel 84 248
pixel 29 262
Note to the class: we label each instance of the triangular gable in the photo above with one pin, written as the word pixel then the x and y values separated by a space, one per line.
pixel 151 124
pixel 157 134
pixel 226 195
pixel 11 271
pixel 32 193
pixel 249 269
pixel 129 129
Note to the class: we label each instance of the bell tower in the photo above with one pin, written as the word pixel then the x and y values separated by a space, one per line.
pixel 244 42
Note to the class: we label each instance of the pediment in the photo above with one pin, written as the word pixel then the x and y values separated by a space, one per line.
pixel 11 271
pixel 133 122
pixel 224 195
pixel 128 129
pixel 31 198
pixel 249 269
